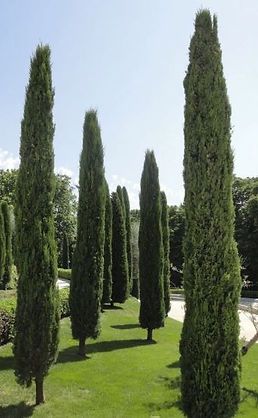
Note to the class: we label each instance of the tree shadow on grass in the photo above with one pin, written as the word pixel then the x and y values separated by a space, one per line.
pixel 174 365
pixel 71 353
pixel 250 393
pixel 125 326
pixel 173 384
pixel 6 363
pixel 107 307
pixel 20 410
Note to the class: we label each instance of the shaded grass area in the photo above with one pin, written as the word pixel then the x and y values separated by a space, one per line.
pixel 125 376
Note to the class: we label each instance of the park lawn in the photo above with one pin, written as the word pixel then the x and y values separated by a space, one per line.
pixel 125 376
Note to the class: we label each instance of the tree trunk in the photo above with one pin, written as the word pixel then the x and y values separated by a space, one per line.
pixel 39 391
pixel 246 347
pixel 82 347
pixel 112 304
pixel 149 336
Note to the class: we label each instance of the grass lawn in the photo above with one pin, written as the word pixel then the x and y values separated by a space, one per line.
pixel 125 376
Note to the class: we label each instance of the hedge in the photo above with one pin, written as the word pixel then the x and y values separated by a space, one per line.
pixel 64 273
pixel 249 293
pixel 7 314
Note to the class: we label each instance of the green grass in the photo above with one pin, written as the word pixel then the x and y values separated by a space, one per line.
pixel 125 376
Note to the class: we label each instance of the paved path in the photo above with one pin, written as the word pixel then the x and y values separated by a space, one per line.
pixel 61 283
pixel 247 329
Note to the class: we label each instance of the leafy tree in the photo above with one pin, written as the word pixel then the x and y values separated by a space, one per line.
pixel 8 180
pixel 65 252
pixel 165 241
pixel 245 195
pixel 2 250
pixel 65 210
pixel 107 278
pixel 152 309
pixel 128 233
pixel 88 260
pixel 209 344
pixel 121 197
pixel 176 221
pixel 135 291
pixel 120 286
pixel 7 274
pixel 37 313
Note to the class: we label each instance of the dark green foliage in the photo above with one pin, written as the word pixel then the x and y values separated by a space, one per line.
pixel 128 233
pixel 37 314
pixel 120 278
pixel 65 253
pixel 2 248
pixel 165 241
pixel 209 344
pixel 152 309
pixel 176 222
pixel 107 277
pixel 135 291
pixel 6 277
pixel 121 197
pixel 88 259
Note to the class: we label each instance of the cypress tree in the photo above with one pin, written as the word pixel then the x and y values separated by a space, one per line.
pixel 107 278
pixel 120 286
pixel 88 258
pixel 152 309
pixel 135 291
pixel 165 241
pixel 121 197
pixel 209 343
pixel 6 278
pixel 65 252
pixel 37 313
pixel 2 250
pixel 128 233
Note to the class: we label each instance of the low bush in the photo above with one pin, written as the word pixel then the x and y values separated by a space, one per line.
pixel 65 273
pixel 7 313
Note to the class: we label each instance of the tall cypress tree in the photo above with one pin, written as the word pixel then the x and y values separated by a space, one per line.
pixel 121 197
pixel 120 286
pixel 6 278
pixel 152 309
pixel 2 249
pixel 128 233
pixel 107 278
pixel 88 258
pixel 209 342
pixel 165 241
pixel 37 313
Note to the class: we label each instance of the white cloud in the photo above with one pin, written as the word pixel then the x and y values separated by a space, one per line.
pixel 64 171
pixel 7 160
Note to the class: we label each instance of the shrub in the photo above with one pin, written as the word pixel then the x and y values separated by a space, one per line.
pixel 64 273
pixel 7 312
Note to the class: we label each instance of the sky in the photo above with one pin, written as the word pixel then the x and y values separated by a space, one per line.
pixel 127 59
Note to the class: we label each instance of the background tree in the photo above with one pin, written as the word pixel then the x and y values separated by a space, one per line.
pixel 88 260
pixel 107 278
pixel 152 309
pixel 209 344
pixel 135 291
pixel 37 313
pixel 7 274
pixel 176 222
pixel 120 278
pixel 65 252
pixel 8 180
pixel 2 249
pixel 165 241
pixel 65 211
pixel 128 233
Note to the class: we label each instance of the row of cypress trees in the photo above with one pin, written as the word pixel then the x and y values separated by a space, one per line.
pixel 5 245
